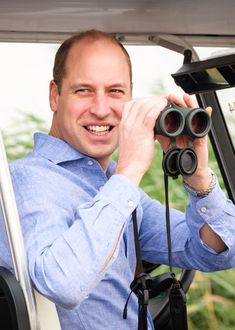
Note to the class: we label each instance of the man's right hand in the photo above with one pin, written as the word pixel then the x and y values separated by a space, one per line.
pixel 136 136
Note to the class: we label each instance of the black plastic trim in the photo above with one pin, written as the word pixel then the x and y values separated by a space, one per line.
pixel 14 301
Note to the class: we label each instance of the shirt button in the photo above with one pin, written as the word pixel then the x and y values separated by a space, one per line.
pixel 130 203
pixel 90 162
pixel 203 209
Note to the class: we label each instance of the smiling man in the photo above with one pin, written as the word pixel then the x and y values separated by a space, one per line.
pixel 76 204
pixel 88 102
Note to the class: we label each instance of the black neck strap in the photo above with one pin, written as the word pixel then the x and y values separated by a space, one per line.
pixel 177 298
pixel 139 265
pixel 141 283
pixel 168 225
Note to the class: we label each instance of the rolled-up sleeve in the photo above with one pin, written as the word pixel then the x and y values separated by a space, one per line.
pixel 188 250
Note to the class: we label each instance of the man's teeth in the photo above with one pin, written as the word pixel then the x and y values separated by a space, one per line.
pixel 99 129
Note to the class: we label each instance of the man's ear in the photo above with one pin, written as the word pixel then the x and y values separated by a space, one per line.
pixel 53 95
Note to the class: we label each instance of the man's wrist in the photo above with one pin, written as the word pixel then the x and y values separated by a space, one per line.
pixel 131 174
pixel 204 192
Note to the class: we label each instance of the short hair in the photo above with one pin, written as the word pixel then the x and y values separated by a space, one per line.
pixel 59 69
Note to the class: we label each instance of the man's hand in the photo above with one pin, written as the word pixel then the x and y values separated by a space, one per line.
pixel 136 136
pixel 136 139
pixel 201 179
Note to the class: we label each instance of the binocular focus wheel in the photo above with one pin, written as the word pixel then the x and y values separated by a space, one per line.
pixel 178 161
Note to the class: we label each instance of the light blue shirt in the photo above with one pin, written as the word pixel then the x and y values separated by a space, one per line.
pixel 71 214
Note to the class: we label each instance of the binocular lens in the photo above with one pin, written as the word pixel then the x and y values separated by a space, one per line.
pixel 199 123
pixel 172 122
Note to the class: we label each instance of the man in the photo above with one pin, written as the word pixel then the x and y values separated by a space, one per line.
pixel 75 204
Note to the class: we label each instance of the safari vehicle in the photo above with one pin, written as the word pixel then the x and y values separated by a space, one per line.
pixel 180 26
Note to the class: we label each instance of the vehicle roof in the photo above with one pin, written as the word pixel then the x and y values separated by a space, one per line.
pixel 173 22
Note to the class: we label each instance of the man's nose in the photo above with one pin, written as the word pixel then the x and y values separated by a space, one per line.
pixel 100 106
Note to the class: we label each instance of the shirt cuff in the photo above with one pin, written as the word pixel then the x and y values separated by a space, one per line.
pixel 215 210
pixel 211 206
pixel 121 193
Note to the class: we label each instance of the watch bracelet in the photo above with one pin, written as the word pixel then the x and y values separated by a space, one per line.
pixel 205 192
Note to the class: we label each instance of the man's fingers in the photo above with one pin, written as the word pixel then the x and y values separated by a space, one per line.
pixel 209 110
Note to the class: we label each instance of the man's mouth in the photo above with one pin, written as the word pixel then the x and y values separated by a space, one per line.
pixel 99 130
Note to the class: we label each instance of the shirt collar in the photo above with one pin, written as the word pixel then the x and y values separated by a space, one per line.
pixel 54 149
pixel 58 151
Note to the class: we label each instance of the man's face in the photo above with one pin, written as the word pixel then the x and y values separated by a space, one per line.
pixel 88 110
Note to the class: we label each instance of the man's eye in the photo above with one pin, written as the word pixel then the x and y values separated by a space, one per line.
pixel 116 91
pixel 82 91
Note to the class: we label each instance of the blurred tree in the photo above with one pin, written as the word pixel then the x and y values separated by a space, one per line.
pixel 18 138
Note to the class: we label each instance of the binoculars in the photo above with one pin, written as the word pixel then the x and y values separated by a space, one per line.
pixel 174 121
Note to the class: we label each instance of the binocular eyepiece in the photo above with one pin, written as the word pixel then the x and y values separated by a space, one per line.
pixel 174 121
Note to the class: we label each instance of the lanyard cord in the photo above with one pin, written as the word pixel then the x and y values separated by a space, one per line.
pixel 141 283
pixel 168 227
pixel 139 265
pixel 177 298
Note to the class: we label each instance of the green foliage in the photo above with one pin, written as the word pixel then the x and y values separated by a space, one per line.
pixel 158 87
pixel 211 301
pixel 18 139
